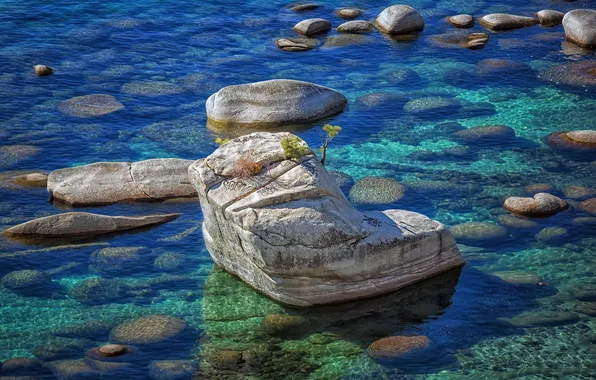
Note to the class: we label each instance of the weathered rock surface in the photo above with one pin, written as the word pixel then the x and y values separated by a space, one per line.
pixel 461 21
pixel 588 206
pixel 312 27
pixel 356 27
pixel 396 346
pixel 377 190
pixel 399 19
pixel 503 21
pixel 43 70
pixel 147 330
pixel 542 204
pixel 83 224
pixel 304 7
pixel 273 103
pixel 580 27
pixel 90 105
pixel 549 17
pixel 112 182
pixel 348 13
pixel 289 231
pixel 296 44
pixel 473 41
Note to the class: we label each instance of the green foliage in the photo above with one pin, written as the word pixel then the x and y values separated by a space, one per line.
pixel 294 148
pixel 331 131
pixel 219 141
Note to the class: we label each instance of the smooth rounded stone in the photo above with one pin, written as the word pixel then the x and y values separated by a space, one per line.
pixel 43 70
pixel 585 293
pixel 301 264
pixel 519 277
pixel 348 13
pixel 151 88
pixel 588 206
pixel 90 105
pixel 304 7
pixel 473 41
pixel 587 308
pixel 461 21
pixel 549 17
pixel 312 26
pixel 551 234
pixel 377 190
pixel 13 154
pixel 588 221
pixel 172 369
pixel 572 74
pixel 296 44
pixel 536 188
pixel 96 330
pixel 431 105
pixel 583 137
pixel 396 346
pixel 399 19
pixel 579 27
pixel 32 180
pixel 479 232
pixel 355 27
pixel 283 325
pixel 73 369
pixel 483 134
pixel 342 180
pixel 541 319
pixel 502 21
pixel 515 223
pixel 147 330
pixel 112 352
pixel 82 224
pixel 21 367
pixel 345 39
pixel 149 180
pixel 579 193
pixel 273 103
pixel 540 205
pixel 115 260
pixel 169 261
pixel 25 279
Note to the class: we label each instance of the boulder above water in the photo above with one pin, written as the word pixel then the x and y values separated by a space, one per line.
pixel 90 105
pixel 503 21
pixel 312 27
pixel 461 21
pixel 355 26
pixel 83 224
pixel 304 7
pixel 296 44
pixel 399 19
pixel 348 13
pixel 289 231
pixel 580 27
pixel 43 70
pixel 113 182
pixel 548 17
pixel 273 103
pixel 540 205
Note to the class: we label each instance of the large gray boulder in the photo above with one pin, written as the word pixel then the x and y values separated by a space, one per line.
pixel 289 231
pixel 273 103
pixel 83 224
pixel 580 27
pixel 503 21
pixel 113 182
pixel 399 19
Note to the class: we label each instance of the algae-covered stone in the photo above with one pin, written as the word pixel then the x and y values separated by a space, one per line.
pixel 285 325
pixel 172 369
pixel 148 330
pixel 116 260
pixel 542 319
pixel 479 232
pixel 396 346
pixel 25 279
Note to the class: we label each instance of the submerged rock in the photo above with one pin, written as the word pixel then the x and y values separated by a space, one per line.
pixel 90 105
pixel 479 232
pixel 588 206
pixel 519 277
pixel 115 260
pixel 579 193
pixel 502 21
pixel 113 182
pixel 348 13
pixel 312 27
pixel 96 330
pixel 461 21
pixel 99 291
pixel 340 254
pixel 73 369
pixel 43 70
pixel 304 7
pixel 548 17
pixel 26 279
pixel 399 19
pixel 82 224
pixel 376 190
pixel 474 41
pixel 170 261
pixel 431 106
pixel 540 205
pixel 13 154
pixel 273 103
pixel 573 74
pixel 296 44
pixel 22 367
pixel 172 369
pixel 551 234
pixel 151 88
pixel 485 134
pixel 587 308
pixel 536 188
pixel 32 180
pixel 282 325
pixel 148 330
pixel 355 27
pixel 541 319
pixel 513 222
pixel 396 346
pixel 346 39
pixel 580 27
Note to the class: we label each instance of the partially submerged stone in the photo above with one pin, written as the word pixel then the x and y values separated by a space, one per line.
pixel 348 13
pixel 90 105
pixel 273 103
pixel 113 182
pixel 355 26
pixel 461 21
pixel 503 21
pixel 43 70
pixel 540 205
pixel 83 224
pixel 541 319
pixel 580 27
pixel 399 19
pixel 312 27
pixel 549 17
pixel 32 179
pixel 296 44
pixel 289 232
pixel 473 41
pixel 304 7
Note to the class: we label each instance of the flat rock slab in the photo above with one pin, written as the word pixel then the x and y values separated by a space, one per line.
pixel 105 183
pixel 83 224
pixel 503 21
pixel 273 103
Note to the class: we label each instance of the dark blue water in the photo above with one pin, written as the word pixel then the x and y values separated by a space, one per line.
pixel 162 59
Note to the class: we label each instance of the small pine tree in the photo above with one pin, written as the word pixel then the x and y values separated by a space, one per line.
pixel 219 141
pixel 293 148
pixel 330 132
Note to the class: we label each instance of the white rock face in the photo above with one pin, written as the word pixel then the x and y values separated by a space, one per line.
pixel 399 19
pixel 289 232
pixel 580 27
pixel 273 103
pixel 113 182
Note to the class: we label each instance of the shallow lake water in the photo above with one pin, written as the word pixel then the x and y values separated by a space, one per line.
pixel 162 59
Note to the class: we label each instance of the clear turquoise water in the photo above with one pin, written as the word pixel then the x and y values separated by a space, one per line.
pixel 101 46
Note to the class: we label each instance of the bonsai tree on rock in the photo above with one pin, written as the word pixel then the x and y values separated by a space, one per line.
pixel 330 132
